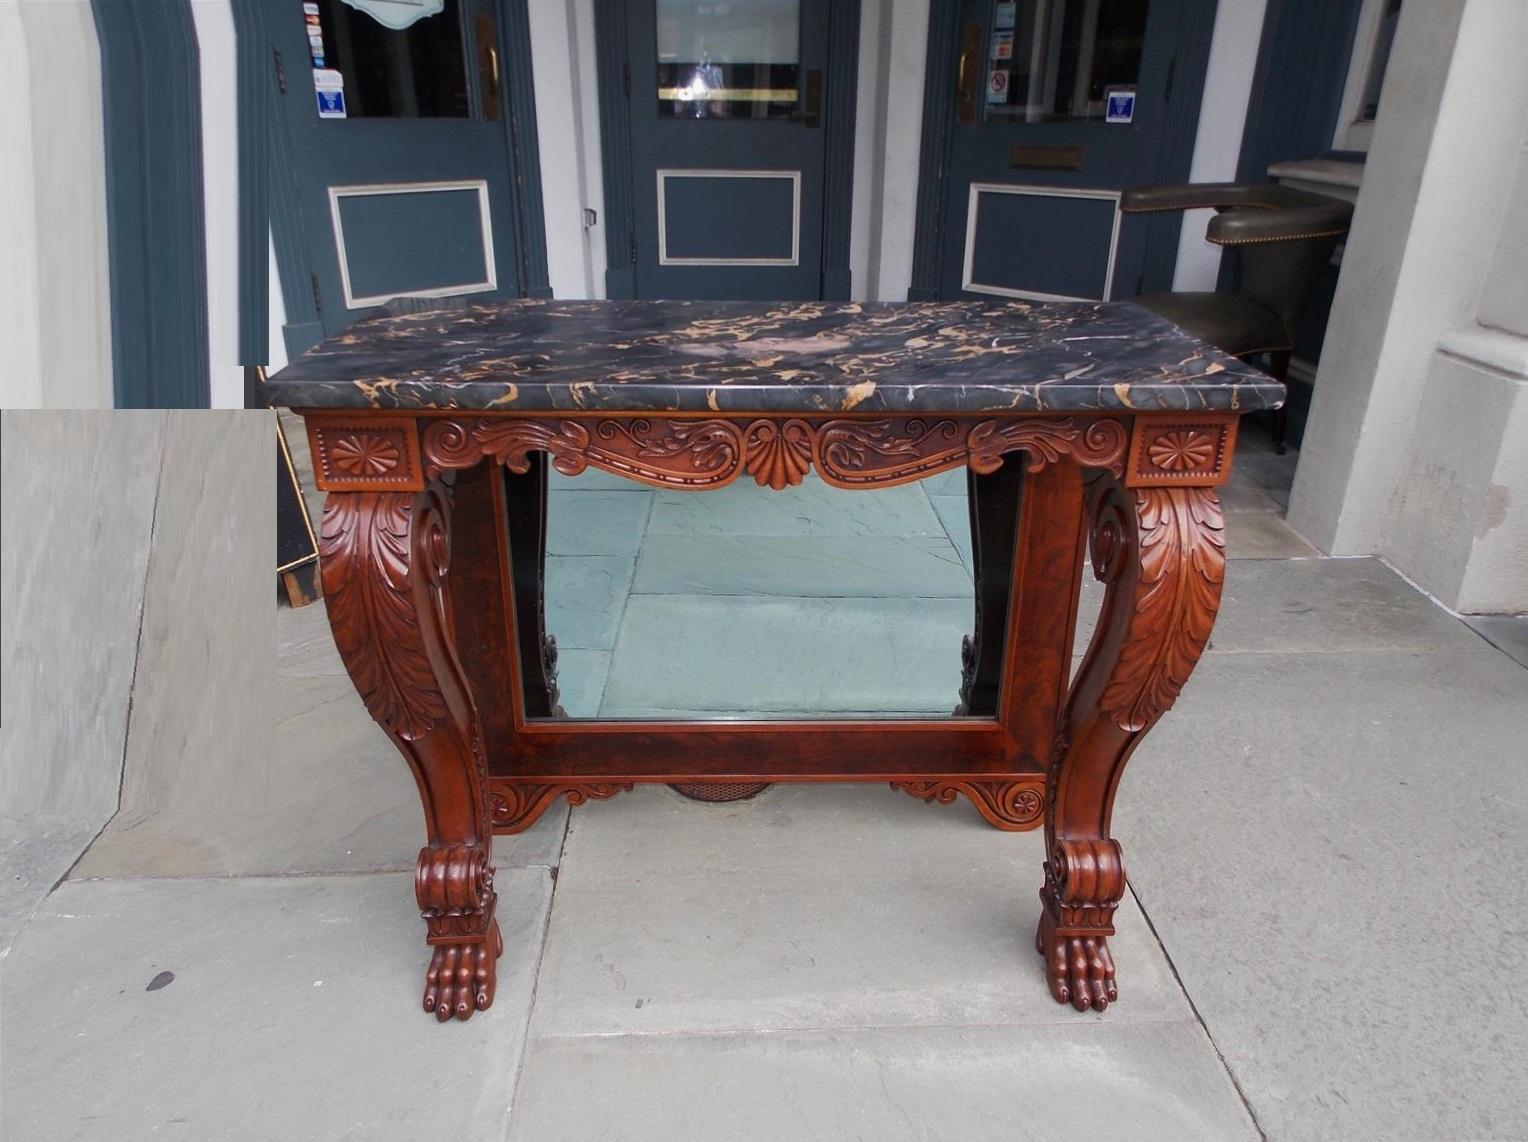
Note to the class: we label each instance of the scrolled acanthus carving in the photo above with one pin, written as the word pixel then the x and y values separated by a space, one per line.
pixel 1177 537
pixel 368 544
pixel 778 452
pixel 1094 444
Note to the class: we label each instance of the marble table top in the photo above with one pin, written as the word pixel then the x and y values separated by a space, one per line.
pixel 796 357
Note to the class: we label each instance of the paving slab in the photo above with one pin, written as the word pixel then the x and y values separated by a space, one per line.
pixel 1264 535
pixel 1326 606
pixel 815 566
pixel 950 483
pixel 777 655
pixel 200 734
pixel 304 643
pixel 294 1012
pixel 1272 474
pixel 36 850
pixel 72 603
pixel 954 514
pixel 334 796
pixel 810 906
pixel 812 508
pixel 980 1084
pixel 1333 849
pixel 584 598
pixel 581 681
pixel 1507 633
pixel 1241 494
pixel 596 523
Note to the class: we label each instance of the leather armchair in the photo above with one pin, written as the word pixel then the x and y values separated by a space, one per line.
pixel 1284 238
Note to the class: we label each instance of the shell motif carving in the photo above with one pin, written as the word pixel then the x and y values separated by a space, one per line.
pixel 779 453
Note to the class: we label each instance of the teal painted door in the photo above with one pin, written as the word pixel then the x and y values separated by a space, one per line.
pixel 725 99
pixel 399 163
pixel 1060 104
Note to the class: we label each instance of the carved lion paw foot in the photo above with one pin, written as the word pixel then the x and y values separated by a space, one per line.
pixel 1079 969
pixel 461 977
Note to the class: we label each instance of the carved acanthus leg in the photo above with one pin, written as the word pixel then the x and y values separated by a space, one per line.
pixel 1161 551
pixel 385 558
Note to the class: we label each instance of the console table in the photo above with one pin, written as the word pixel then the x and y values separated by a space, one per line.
pixel 1082 427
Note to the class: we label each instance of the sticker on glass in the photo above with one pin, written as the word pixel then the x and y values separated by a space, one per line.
pixel 1003 13
pixel 329 90
pixel 1120 104
pixel 1002 45
pixel 997 85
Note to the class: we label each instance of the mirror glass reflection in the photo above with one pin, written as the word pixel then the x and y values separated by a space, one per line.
pixel 747 602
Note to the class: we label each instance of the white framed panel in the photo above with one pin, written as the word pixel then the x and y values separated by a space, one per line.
pixel 973 204
pixel 794 176
pixel 373 190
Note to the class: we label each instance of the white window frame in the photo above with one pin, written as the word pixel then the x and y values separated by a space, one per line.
pixel 1353 133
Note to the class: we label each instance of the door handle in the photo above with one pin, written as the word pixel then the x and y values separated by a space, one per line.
pixel 488 65
pixel 809 110
pixel 966 74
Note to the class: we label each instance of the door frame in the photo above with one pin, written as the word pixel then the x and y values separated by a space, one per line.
pixel 612 75
pixel 288 233
pixel 155 219
pixel 1196 23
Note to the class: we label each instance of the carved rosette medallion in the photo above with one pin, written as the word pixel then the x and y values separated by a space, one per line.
pixel 1181 452
pixel 371 454
pixel 1014 805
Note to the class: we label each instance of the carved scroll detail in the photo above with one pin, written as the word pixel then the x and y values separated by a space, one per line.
pixel 1084 880
pixel 863 453
pixel 515 805
pixel 454 886
pixel 1096 444
pixel 1011 805
pixel 364 552
pixel 778 452
pixel 1182 554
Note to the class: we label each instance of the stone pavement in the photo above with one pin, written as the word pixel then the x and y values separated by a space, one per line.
pixel 1327 840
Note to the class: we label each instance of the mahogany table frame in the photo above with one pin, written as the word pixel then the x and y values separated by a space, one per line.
pixel 433 546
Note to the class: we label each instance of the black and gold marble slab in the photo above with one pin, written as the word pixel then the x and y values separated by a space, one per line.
pixel 699 356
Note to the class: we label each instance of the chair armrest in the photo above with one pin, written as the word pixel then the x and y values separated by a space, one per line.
pixel 1182 196
pixel 1245 227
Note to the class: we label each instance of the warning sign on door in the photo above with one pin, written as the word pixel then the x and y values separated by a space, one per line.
pixel 997 85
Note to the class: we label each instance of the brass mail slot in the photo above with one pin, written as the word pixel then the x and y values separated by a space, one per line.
pixel 1045 158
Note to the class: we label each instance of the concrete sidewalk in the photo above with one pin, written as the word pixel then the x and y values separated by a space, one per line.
pixel 1327 840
